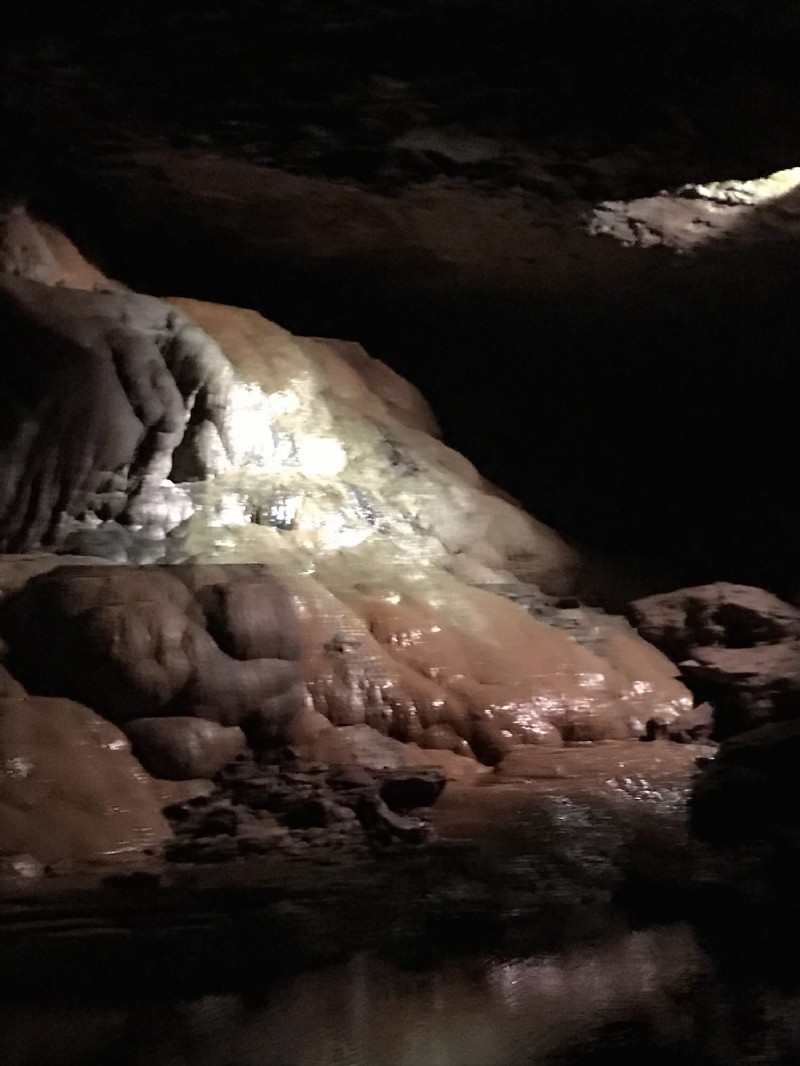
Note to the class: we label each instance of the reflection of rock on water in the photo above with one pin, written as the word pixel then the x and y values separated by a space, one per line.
pixel 481 1011
pixel 368 1013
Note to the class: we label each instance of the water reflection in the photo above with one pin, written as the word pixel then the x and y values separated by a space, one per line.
pixel 650 995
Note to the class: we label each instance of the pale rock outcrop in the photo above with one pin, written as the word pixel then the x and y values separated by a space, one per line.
pixel 147 431
pixel 321 458
pixel 755 211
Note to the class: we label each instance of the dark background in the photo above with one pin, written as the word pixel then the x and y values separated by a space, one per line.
pixel 654 418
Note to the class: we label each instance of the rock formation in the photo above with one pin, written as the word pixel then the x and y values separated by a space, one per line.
pixel 381 604
pixel 738 647
pixel 70 788
pixel 180 748
pixel 212 642
pixel 133 433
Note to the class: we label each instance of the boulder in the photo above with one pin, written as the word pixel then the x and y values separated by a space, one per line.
pixel 303 731
pixel 738 648
pixel 184 748
pixel 405 790
pixel 747 686
pixel 362 745
pixel 151 641
pixel 692 727
pixel 717 615
pixel 456 768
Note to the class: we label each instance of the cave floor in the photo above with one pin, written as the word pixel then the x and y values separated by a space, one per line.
pixel 530 858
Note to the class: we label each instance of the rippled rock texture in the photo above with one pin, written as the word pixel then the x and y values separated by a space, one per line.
pixel 143 430
pixel 211 642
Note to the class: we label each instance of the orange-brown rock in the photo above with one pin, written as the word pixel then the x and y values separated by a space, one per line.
pixel 70 788
pixel 207 432
pixel 474 674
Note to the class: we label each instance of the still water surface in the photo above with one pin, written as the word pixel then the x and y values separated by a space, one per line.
pixel 650 996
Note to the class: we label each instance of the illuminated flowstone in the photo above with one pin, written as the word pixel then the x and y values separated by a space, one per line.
pixel 206 434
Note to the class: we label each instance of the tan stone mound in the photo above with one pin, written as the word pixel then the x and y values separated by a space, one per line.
pixel 208 434
pixel 460 670
pixel 70 788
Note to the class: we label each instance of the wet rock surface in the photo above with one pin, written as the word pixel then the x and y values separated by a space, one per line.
pixel 292 864
pixel 258 809
pixel 70 789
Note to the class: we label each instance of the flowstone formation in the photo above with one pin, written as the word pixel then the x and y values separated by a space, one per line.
pixel 380 604
pixel 70 786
